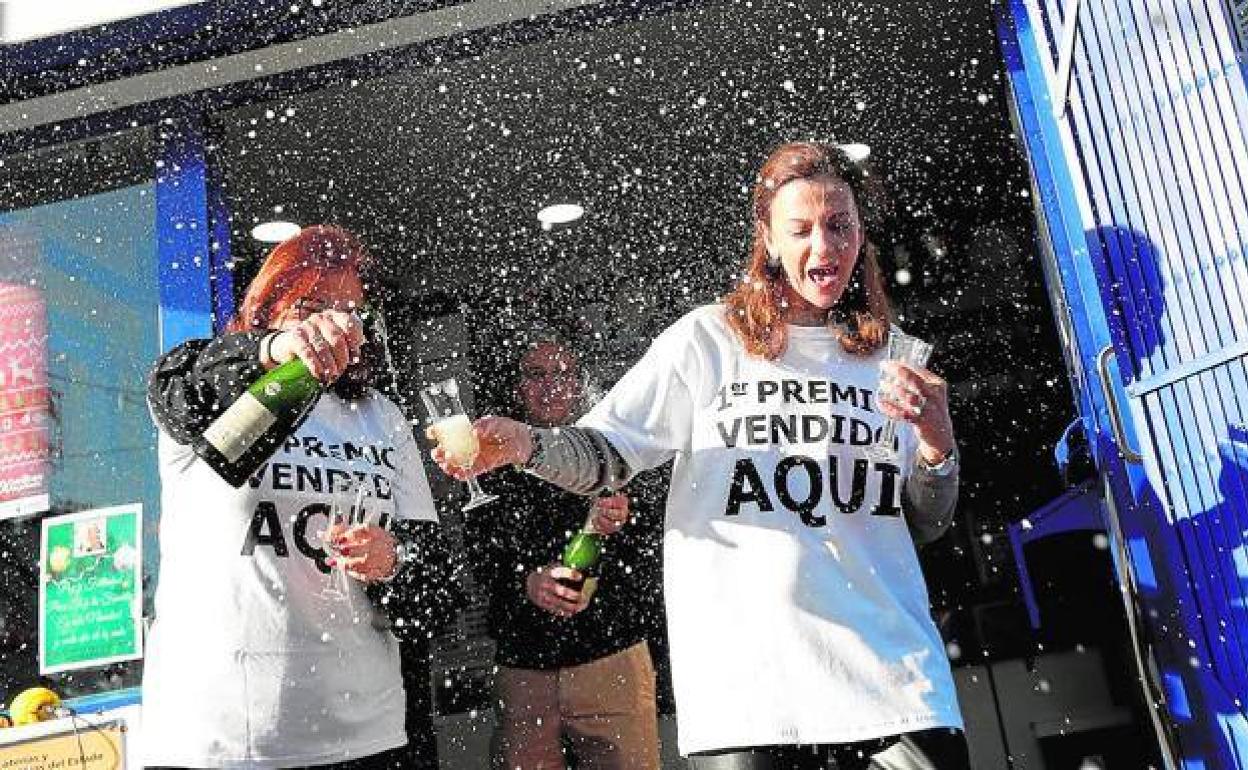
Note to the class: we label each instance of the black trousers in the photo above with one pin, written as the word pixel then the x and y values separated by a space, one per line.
pixel 944 749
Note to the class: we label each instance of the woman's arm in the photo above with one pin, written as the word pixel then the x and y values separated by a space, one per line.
pixel 428 587
pixel 929 499
pixel 644 421
pixel 194 382
pixel 580 460
pixel 920 397
pixel 198 380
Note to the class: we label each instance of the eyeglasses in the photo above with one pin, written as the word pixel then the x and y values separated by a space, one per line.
pixel 538 373
pixel 304 307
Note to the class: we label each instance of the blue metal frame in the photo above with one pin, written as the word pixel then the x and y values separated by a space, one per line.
pixel 1055 192
pixel 1076 509
pixel 221 266
pixel 189 253
pixel 1100 268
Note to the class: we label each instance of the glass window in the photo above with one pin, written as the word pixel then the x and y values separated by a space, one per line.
pixel 79 328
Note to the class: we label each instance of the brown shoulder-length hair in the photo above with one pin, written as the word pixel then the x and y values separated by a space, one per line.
pixel 291 270
pixel 754 307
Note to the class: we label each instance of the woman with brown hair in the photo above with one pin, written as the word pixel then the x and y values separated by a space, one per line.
pixel 797 613
pixel 250 661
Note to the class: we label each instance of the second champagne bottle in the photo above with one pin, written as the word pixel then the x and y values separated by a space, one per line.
pixel 582 553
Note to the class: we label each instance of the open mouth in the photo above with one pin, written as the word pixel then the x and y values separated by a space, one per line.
pixel 823 277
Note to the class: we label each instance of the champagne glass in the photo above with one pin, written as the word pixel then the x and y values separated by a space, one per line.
pixel 907 350
pixel 450 427
pixel 338 583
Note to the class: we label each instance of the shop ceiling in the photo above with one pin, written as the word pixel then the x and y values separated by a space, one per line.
pixel 652 115
pixel 655 125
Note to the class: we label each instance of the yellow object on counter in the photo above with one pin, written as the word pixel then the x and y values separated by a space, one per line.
pixel 34 704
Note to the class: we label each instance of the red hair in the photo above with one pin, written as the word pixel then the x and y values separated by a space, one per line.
pixel 292 268
pixel 754 308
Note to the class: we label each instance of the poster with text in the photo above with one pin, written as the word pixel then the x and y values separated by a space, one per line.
pixel 90 588
pixel 82 745
pixel 24 401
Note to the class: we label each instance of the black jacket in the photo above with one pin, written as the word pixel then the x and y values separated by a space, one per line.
pixel 528 528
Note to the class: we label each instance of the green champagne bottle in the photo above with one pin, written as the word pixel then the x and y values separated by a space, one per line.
pixel 247 433
pixel 582 553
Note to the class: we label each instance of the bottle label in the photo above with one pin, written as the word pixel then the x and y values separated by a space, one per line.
pixel 238 427
pixel 590 588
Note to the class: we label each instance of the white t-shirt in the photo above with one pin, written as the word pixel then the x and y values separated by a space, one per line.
pixel 796 615
pixel 247 665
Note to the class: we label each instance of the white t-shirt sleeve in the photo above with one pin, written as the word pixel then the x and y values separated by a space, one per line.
pixel 648 415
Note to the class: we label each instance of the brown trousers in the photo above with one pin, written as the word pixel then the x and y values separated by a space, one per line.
pixel 605 709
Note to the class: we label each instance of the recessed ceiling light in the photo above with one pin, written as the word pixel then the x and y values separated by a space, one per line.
pixel 856 152
pixel 275 232
pixel 559 214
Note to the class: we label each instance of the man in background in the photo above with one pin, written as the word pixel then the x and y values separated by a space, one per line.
pixel 575 673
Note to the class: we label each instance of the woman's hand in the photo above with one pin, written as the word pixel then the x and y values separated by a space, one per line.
pixel 610 513
pixel 919 397
pixel 328 342
pixel 366 552
pixel 544 589
pixel 502 441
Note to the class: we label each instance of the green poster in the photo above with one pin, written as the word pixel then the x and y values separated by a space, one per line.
pixel 90 588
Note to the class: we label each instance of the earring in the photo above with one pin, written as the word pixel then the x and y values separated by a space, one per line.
pixel 773 262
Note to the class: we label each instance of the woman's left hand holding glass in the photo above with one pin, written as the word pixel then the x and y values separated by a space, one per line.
pixel 915 395
pixel 367 552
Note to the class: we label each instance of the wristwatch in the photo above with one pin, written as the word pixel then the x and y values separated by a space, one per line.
pixel 945 467
pixel 535 457
pixel 402 553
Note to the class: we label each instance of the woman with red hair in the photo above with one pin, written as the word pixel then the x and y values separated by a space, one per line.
pixel 250 662
pixel 799 624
